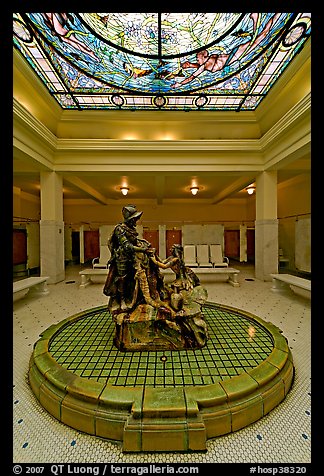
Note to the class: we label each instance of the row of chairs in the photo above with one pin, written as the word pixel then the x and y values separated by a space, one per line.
pixel 205 256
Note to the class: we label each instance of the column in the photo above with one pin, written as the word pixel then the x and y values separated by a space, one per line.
pixel 67 244
pixel 81 244
pixel 243 244
pixel 266 226
pixel 52 227
pixel 162 241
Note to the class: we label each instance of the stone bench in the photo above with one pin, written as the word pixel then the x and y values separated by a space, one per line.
pixel 90 275
pixel 34 286
pixel 281 282
pixel 209 274
pixel 204 274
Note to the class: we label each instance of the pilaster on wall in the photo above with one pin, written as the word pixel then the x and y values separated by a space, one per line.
pixel 266 248
pixel 243 243
pixel 52 227
pixel 266 226
pixel 52 250
pixel 162 241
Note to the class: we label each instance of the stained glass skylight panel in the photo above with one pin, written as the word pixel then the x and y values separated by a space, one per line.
pixel 166 61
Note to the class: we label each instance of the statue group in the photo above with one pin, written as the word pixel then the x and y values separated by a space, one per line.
pixel 148 313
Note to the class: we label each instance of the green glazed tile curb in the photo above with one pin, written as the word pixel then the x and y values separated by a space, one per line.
pixel 122 398
pixel 280 342
pixel 164 402
pixel 60 377
pixel 290 357
pixel 277 358
pixel 36 380
pixel 41 347
pixel 264 373
pixel 85 388
pixel 206 396
pixel 239 386
pixel 45 362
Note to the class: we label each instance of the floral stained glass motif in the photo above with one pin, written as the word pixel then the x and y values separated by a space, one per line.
pixel 170 61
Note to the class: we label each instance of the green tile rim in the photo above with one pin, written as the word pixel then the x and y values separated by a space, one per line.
pixel 139 416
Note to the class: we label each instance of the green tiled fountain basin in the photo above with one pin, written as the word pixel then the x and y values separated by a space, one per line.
pixel 164 400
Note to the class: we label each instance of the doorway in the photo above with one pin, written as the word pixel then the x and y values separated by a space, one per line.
pixel 153 237
pixel 19 247
pixel 232 243
pixel 19 252
pixel 91 245
pixel 250 244
pixel 76 247
pixel 173 237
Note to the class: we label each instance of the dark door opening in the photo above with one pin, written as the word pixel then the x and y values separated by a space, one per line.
pixel 76 247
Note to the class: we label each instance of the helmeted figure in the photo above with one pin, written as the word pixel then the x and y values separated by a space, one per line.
pixel 123 244
pixel 132 278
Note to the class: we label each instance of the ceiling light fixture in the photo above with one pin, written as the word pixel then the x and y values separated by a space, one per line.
pixel 124 190
pixel 250 189
pixel 194 190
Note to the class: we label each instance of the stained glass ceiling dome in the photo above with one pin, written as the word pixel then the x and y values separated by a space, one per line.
pixel 166 61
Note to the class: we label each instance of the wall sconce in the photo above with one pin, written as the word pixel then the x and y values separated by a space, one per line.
pixel 194 190
pixel 124 190
pixel 250 189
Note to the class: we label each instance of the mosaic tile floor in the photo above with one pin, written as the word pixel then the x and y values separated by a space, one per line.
pixel 38 437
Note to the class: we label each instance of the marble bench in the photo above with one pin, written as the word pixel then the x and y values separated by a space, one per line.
pixel 281 282
pixel 34 286
pixel 209 274
pixel 90 275
pixel 205 274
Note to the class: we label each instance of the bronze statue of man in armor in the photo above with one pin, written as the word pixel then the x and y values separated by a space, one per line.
pixel 133 277
pixel 123 245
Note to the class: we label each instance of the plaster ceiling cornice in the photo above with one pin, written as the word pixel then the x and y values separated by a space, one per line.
pixel 164 145
pixel 287 121
pixel 21 114
pixel 160 115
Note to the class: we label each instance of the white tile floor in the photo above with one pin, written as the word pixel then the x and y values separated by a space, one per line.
pixel 283 436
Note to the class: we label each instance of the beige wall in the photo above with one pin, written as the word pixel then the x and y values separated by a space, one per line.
pixel 294 202
pixel 295 197
pixel 232 210
pixel 25 205
pixel 170 215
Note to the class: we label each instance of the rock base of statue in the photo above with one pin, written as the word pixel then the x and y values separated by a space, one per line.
pixel 148 328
